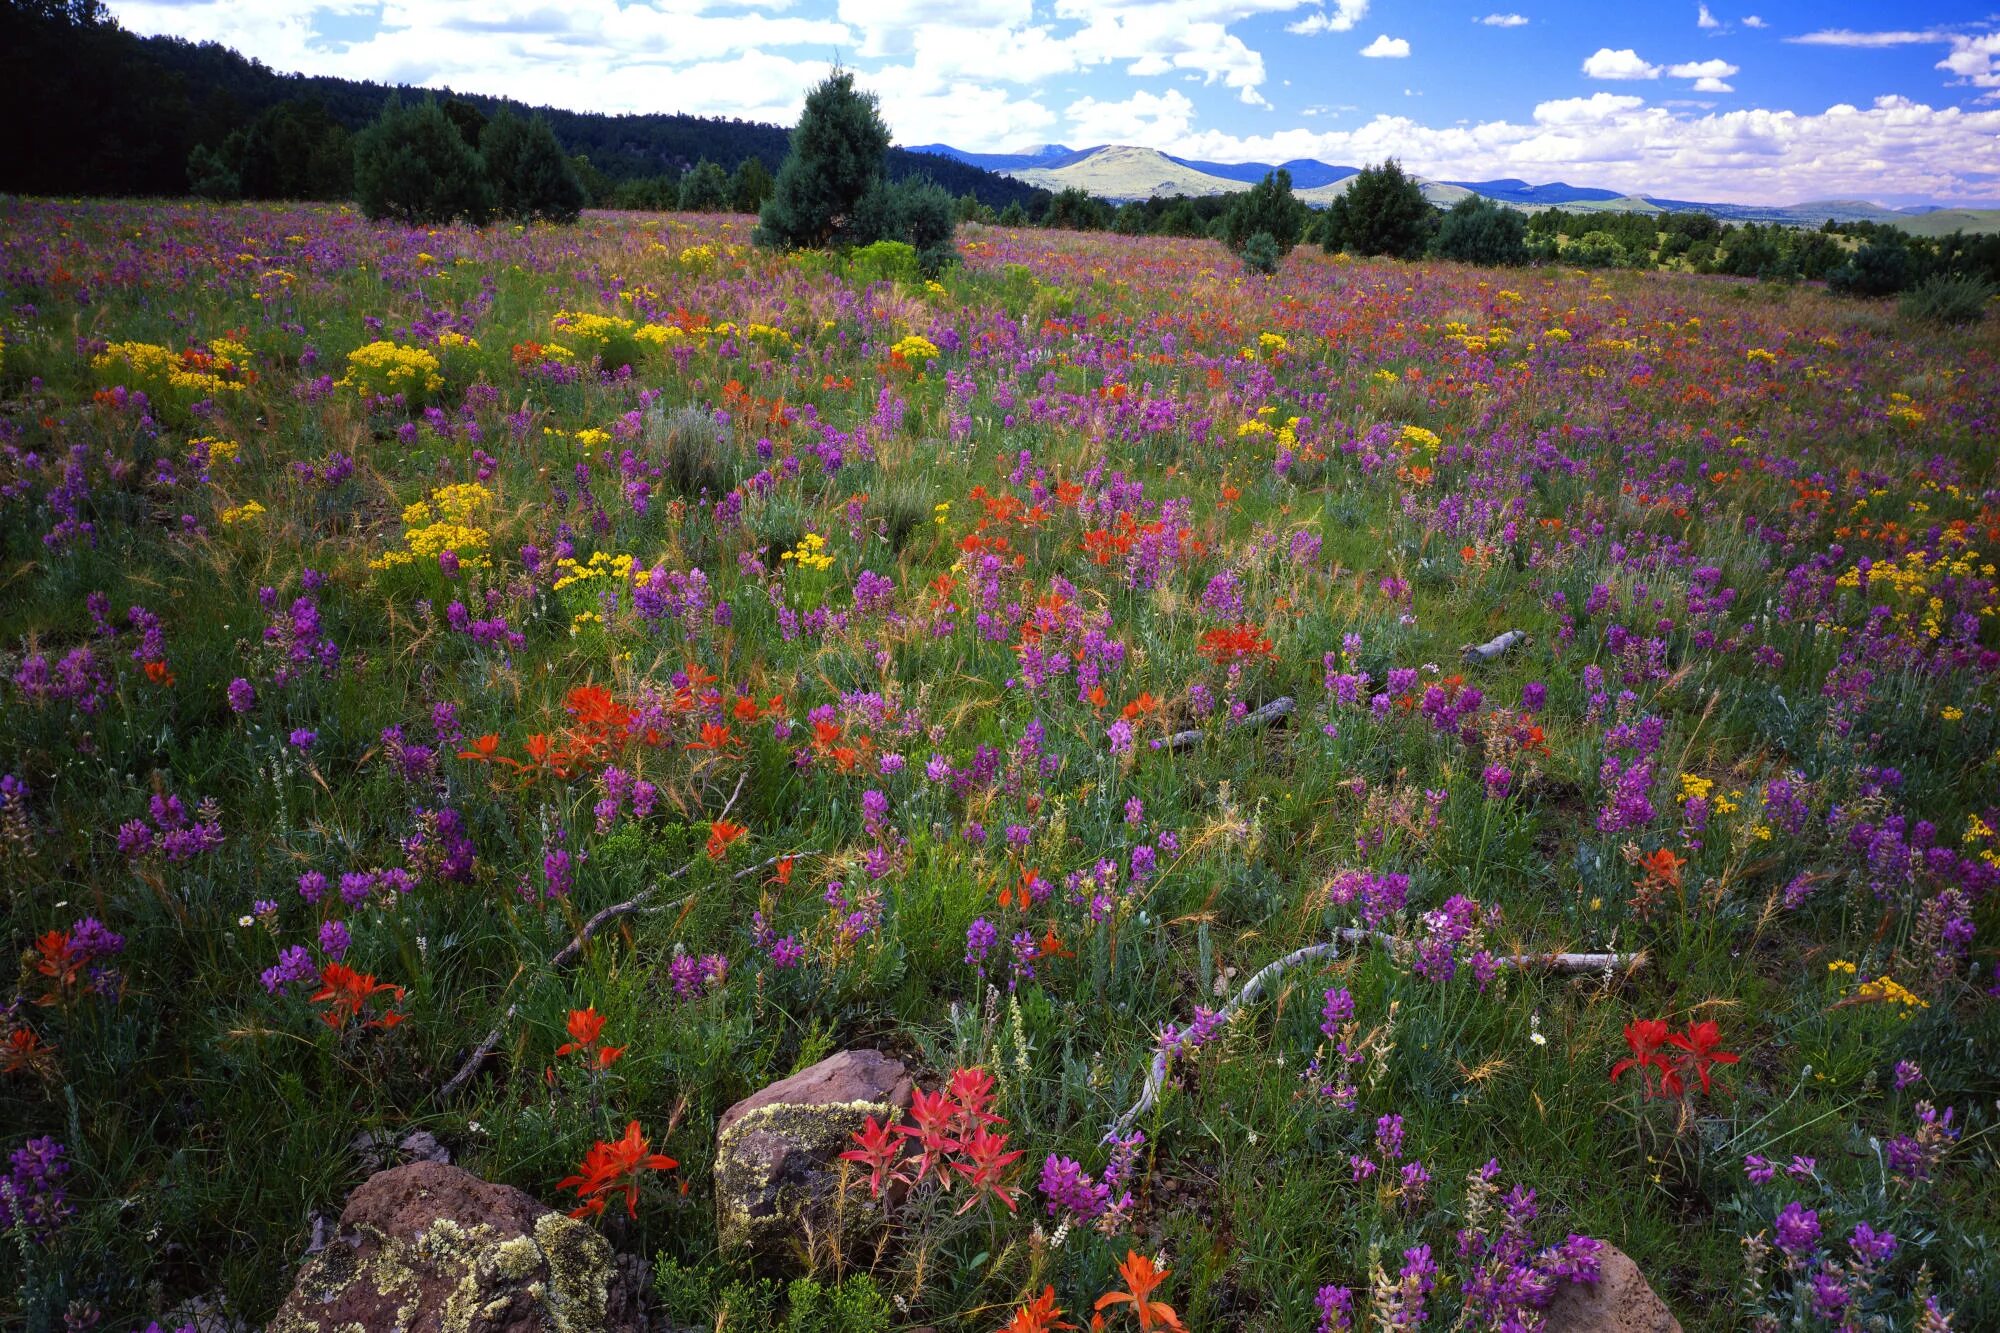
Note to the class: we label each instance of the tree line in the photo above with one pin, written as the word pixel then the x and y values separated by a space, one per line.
pixel 102 111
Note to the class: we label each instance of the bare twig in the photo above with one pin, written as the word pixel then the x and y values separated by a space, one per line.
pixel 1262 717
pixel 570 952
pixel 574 948
pixel 1253 990
pixel 1478 654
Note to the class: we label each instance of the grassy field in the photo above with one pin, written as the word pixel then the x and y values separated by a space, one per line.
pixel 382 603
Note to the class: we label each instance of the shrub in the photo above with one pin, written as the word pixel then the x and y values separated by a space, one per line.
pixel 1946 298
pixel 836 155
pixel 1260 254
pixel 1596 249
pixel 1268 209
pixel 1879 268
pixel 750 185
pixel 1382 212
pixel 706 189
pixel 530 175
pixel 1013 215
pixel 695 453
pixel 883 261
pixel 412 165
pixel 209 176
pixel 1476 230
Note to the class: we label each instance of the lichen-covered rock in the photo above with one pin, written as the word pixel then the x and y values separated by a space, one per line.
pixel 777 1167
pixel 428 1248
pixel 1620 1301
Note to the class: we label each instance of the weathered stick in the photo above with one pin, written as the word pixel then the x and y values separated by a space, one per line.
pixel 570 952
pixel 1253 990
pixel 1263 717
pixel 1477 654
pixel 574 948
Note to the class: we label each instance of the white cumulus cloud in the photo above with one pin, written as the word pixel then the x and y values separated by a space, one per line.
pixel 1152 121
pixel 1505 20
pixel 1704 19
pixel 1622 64
pixel 1386 47
pixel 1341 18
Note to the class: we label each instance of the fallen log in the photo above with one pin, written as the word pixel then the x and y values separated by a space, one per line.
pixel 1281 706
pixel 1478 654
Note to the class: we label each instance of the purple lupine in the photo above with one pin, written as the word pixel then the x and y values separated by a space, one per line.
pixel 32 1198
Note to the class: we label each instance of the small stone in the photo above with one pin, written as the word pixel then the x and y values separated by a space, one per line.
pixel 431 1247
pixel 1620 1301
pixel 777 1167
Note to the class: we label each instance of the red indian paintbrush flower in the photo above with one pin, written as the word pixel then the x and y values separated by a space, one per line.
pixel 585 1026
pixel 931 1116
pixel 347 993
pixel 1041 1315
pixel 1142 1278
pixel 609 1167
pixel 720 834
pixel 986 1167
pixel 1700 1041
pixel 880 1147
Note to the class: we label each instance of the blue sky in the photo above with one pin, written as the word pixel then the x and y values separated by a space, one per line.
pixel 1758 101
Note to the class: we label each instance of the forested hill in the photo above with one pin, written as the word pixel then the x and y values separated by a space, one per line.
pixel 97 110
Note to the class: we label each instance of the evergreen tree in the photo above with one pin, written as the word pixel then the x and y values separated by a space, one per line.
pixel 705 189
pixel 1268 208
pixel 1013 215
pixel 1475 230
pixel 836 155
pixel 1382 212
pixel 530 176
pixel 413 166
pixel 1261 254
pixel 750 186
pixel 210 177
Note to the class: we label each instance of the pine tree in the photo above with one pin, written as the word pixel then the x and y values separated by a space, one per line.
pixel 1382 212
pixel 1267 207
pixel 413 166
pixel 836 155
pixel 1475 230
pixel 531 177
pixel 750 185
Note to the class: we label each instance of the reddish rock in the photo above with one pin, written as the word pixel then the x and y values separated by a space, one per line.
pixel 777 1167
pixel 1620 1301
pixel 428 1248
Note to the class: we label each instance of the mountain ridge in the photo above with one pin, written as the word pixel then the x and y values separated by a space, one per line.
pixel 1125 172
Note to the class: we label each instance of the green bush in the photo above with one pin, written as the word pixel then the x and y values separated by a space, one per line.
pixel 1260 254
pixel 693 449
pixel 1597 249
pixel 1476 230
pixel 706 189
pixel 530 176
pixel 883 261
pixel 413 166
pixel 1946 298
pixel 1268 209
pixel 1879 268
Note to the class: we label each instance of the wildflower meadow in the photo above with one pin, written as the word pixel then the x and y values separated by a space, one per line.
pixel 1354 795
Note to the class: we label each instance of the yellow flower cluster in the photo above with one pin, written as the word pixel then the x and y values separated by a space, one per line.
pixel 445 522
pixel 152 364
pixel 941 513
pixel 383 368
pixel 601 565
pixel 1286 435
pixel 810 553
pixel 600 331
pixel 1273 344
pixel 1904 412
pixel 914 348
pixel 1756 354
pixel 1557 335
pixel 212 449
pixel 1416 437
pixel 1912 577
pixel 247 512
pixel 451 339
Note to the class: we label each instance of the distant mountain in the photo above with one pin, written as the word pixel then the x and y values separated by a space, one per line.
pixel 1122 172
pixel 1554 194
